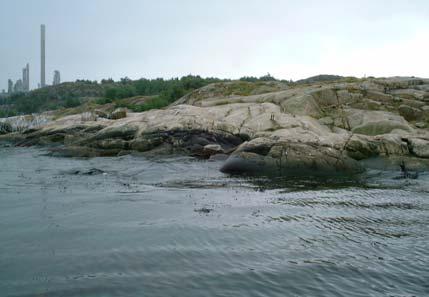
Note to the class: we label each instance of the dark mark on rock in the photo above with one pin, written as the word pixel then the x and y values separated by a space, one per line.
pixel 92 171
pixel 204 210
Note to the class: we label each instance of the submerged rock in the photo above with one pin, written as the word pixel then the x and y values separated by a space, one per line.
pixel 204 210
pixel 81 152
pixel 91 171
pixel 405 173
pixel 219 157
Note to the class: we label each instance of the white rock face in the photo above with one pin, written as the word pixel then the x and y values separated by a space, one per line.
pixel 370 122
pixel 420 147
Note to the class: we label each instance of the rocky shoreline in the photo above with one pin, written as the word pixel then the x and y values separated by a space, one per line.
pixel 330 128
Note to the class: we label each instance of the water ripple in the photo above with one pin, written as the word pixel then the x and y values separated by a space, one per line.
pixel 132 226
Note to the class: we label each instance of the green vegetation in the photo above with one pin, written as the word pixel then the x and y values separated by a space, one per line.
pixel 4 113
pixel 240 89
pixel 243 88
pixel 68 95
pixel 163 92
pixel 266 77
pixel 172 88
pixel 71 102
pixel 65 95
pixel 153 103
pixel 159 92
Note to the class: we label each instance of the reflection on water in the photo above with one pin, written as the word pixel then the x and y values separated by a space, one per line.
pixel 130 226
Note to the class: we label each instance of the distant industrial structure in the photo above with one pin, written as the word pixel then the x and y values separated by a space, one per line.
pixel 9 86
pixel 26 78
pixel 23 84
pixel 18 87
pixel 42 56
pixel 57 78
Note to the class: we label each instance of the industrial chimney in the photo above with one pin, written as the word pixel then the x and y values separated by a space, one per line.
pixel 42 56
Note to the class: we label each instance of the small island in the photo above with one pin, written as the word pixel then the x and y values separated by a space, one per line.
pixel 324 125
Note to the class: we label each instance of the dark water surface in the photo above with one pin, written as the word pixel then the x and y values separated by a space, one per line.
pixel 130 226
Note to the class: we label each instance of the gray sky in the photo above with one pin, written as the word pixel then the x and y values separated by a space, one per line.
pixel 95 39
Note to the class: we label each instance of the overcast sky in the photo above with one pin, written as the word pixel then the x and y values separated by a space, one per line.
pixel 95 39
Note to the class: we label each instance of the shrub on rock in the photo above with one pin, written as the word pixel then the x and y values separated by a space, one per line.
pixel 118 113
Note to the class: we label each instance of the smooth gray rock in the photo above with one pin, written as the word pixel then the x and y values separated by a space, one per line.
pixel 419 147
pixel 328 121
pixel 303 105
pixel 280 126
pixel 290 159
pixel 375 122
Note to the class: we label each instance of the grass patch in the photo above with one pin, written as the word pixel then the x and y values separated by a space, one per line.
pixel 157 102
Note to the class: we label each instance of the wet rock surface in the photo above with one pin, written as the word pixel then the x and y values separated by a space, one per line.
pixel 419 147
pixel 90 171
pixel 5 128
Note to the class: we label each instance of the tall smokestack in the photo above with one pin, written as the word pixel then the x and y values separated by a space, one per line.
pixel 42 56
pixel 28 77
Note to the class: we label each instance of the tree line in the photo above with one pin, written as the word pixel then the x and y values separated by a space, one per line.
pixel 72 94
